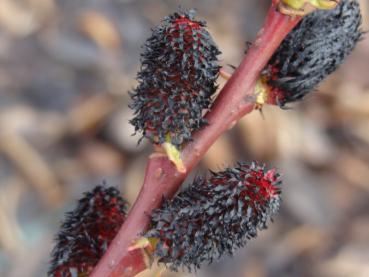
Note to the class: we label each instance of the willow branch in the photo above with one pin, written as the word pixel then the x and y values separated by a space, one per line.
pixel 236 99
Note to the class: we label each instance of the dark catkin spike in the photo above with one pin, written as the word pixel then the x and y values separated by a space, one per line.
pixel 87 231
pixel 215 216
pixel 312 51
pixel 176 80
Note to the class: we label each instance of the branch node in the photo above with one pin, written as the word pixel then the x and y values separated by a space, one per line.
pixel 304 7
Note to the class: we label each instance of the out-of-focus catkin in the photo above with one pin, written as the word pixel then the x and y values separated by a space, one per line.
pixel 86 232
pixel 313 50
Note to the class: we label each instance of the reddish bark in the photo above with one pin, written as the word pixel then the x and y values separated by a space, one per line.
pixel 236 99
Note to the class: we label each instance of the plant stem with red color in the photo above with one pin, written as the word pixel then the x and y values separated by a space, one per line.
pixel 162 179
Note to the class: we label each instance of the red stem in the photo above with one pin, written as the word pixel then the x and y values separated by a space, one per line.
pixel 236 99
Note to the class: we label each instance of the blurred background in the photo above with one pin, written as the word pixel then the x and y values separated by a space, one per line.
pixel 65 69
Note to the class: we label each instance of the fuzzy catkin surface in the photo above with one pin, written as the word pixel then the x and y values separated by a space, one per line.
pixel 176 81
pixel 215 216
pixel 313 50
pixel 87 231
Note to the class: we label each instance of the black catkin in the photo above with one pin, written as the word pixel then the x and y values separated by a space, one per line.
pixel 313 50
pixel 215 216
pixel 176 80
pixel 86 232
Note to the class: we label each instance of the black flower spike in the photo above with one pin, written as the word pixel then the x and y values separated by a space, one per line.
pixel 176 81
pixel 312 51
pixel 87 232
pixel 215 216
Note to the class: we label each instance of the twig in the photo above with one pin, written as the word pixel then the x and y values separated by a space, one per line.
pixel 236 99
